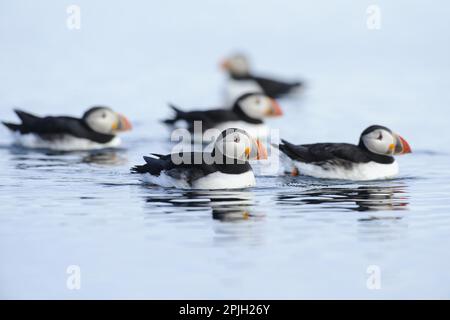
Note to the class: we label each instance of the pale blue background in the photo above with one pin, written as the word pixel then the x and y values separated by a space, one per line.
pixel 137 55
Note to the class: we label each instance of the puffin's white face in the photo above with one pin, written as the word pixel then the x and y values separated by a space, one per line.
pixel 237 144
pixel 106 121
pixel 384 142
pixel 259 106
pixel 237 65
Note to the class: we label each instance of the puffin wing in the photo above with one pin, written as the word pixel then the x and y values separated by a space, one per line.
pixel 221 115
pixel 44 125
pixel 323 152
pixel 188 171
pixel 52 127
pixel 275 88
pixel 209 118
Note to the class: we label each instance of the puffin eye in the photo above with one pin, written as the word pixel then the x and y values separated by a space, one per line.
pixel 380 136
pixel 258 100
pixel 237 139
pixel 103 115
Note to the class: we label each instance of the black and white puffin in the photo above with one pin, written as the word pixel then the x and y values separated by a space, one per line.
pixel 247 113
pixel 96 129
pixel 242 80
pixel 225 167
pixel 371 159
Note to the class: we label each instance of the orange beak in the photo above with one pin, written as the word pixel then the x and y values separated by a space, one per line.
pixel 276 109
pixel 225 65
pixel 123 124
pixel 401 145
pixel 262 151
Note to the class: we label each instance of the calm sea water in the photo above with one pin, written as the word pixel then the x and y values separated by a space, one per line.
pixel 287 237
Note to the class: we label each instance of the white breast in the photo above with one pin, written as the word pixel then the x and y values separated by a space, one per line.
pixel 235 88
pixel 363 171
pixel 65 143
pixel 216 180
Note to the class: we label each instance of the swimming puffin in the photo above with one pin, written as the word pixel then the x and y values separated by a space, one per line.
pixel 225 167
pixel 371 159
pixel 96 129
pixel 241 80
pixel 247 113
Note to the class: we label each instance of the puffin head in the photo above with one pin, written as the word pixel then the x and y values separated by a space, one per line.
pixel 236 64
pixel 383 141
pixel 237 144
pixel 105 120
pixel 257 106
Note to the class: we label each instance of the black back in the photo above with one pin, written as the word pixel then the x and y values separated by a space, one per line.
pixel 196 166
pixel 211 118
pixel 271 87
pixel 344 153
pixel 51 128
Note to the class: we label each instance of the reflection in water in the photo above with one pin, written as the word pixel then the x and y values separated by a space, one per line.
pixel 104 157
pixel 224 205
pixel 360 198
pixel 44 158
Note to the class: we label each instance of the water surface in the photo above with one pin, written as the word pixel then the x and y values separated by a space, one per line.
pixel 285 238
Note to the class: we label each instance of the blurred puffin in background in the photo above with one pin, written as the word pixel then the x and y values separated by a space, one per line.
pixel 242 80
pixel 96 129
pixel 247 113
pixel 371 159
pixel 225 167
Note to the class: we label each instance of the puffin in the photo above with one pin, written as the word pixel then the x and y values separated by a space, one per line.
pixel 96 129
pixel 371 159
pixel 225 167
pixel 247 113
pixel 242 80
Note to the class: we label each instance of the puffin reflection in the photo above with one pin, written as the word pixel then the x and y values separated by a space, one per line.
pixel 42 158
pixel 224 205
pixel 104 157
pixel 361 198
